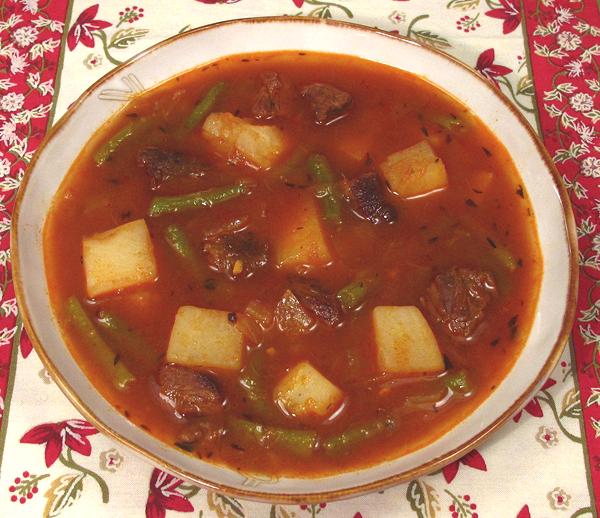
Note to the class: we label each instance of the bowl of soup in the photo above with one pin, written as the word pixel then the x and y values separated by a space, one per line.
pixel 304 261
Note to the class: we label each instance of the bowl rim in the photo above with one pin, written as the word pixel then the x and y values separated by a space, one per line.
pixel 339 494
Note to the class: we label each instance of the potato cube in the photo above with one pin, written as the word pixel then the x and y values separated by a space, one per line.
pixel 222 130
pixel 414 171
pixel 236 138
pixel 261 145
pixel 305 392
pixel 303 241
pixel 405 342
pixel 118 258
pixel 205 338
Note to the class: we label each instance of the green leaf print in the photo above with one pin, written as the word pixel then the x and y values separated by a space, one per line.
pixel 462 4
pixel 224 506
pixel 63 493
pixel 571 404
pixel 423 499
pixel 525 86
pixel 278 511
pixel 324 9
pixel 123 38
pixel 426 36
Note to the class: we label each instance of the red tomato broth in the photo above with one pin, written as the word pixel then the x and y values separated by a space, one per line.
pixel 391 110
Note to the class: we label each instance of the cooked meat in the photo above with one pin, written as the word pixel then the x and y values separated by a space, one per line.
pixel 369 202
pixel 199 434
pixel 190 392
pixel 317 300
pixel 237 253
pixel 268 103
pixel 327 102
pixel 457 299
pixel 162 164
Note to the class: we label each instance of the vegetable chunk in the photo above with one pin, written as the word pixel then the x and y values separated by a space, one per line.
pixel 236 139
pixel 103 354
pixel 304 391
pixel 303 240
pixel 405 342
pixel 326 190
pixel 118 258
pixel 414 171
pixel 291 317
pixel 205 338
pixel 205 105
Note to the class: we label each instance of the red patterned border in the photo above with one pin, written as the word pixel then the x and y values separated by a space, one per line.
pixel 30 43
pixel 564 49
pixel 565 54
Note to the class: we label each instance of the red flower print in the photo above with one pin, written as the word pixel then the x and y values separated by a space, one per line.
pixel 533 408
pixel 164 495
pixel 315 507
pixel 81 31
pixel 25 344
pixel 72 434
pixel 298 3
pixel 509 12
pixel 524 512
pixel 485 66
pixel 473 459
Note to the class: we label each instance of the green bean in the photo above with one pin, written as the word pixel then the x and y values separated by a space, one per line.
pixel 458 382
pixel 174 204
pixel 353 295
pixel 299 442
pixel 327 193
pixel 109 147
pixel 320 169
pixel 179 242
pixel 181 245
pixel 348 439
pixel 252 380
pixel 202 109
pixel 330 204
pixel 293 171
pixel 129 344
pixel 247 429
pixel 107 359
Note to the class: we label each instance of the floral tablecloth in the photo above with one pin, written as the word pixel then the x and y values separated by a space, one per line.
pixel 542 54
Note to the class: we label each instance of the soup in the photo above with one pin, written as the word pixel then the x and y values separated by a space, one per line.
pixel 294 263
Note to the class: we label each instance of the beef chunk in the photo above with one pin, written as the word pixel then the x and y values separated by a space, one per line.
pixel 317 300
pixel 237 253
pixel 368 198
pixel 268 100
pixel 457 299
pixel 190 392
pixel 327 102
pixel 161 164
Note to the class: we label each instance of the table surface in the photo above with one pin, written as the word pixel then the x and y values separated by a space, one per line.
pixel 542 54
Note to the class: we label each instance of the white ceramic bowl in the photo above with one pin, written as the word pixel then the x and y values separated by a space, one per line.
pixel 553 317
